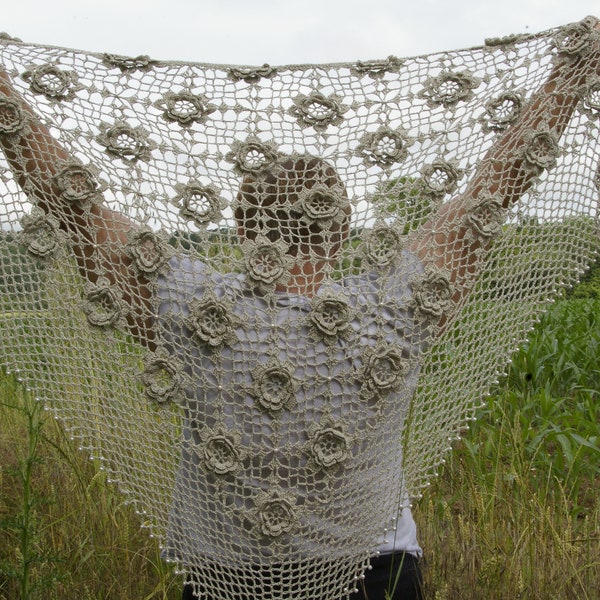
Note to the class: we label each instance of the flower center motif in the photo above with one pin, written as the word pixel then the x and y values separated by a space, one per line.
pixel 433 294
pixel 161 380
pixel 265 264
pixel 384 370
pixel 542 150
pixel 103 307
pixel 125 141
pixel 383 246
pixel 126 63
pixel 41 235
pixel 148 254
pixel 503 111
pixel 329 447
pixel 274 386
pixel 376 69
pixel 574 38
pixel 254 159
pixel 124 144
pixel 330 316
pixel 11 116
pixel 44 242
pixel 148 251
pixel 276 517
pixel 211 321
pixel 318 111
pixel 387 146
pixel 251 74
pixel 486 217
pixel 449 88
pixel 50 81
pixel 439 178
pixel 252 156
pixel 200 203
pixel 76 183
pixel 220 455
pixel 320 205
pixel 383 147
pixel 185 108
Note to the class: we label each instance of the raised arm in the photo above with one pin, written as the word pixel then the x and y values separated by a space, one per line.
pixel 506 173
pixel 98 235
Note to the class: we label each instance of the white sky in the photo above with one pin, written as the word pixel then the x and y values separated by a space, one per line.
pixel 252 32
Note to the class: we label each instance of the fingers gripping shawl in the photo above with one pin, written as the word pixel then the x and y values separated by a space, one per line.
pixel 268 299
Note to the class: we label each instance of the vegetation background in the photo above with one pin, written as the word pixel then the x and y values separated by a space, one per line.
pixel 515 513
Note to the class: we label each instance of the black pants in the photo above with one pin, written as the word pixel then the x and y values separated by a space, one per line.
pixel 399 574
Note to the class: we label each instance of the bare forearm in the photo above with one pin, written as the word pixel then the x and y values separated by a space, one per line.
pixel 98 235
pixel 36 159
pixel 509 169
pixel 458 236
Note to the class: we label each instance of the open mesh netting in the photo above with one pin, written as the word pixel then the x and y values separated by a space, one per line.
pixel 268 299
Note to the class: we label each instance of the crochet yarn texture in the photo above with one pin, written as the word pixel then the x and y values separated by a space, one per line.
pixel 269 298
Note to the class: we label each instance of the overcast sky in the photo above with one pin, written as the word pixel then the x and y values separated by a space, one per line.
pixel 279 32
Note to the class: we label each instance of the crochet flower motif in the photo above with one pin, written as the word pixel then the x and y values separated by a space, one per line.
pixel 376 69
pixel 162 377
pixel 185 108
pixel 251 74
pixel 318 111
pixel 12 118
pixel 150 252
pixel 440 178
pixel 382 245
pixel 576 39
pixel 590 98
pixel 199 203
pixel 542 150
pixel 330 315
pixel 276 514
pixel 266 263
pixel 432 293
pixel 502 111
pixel 252 156
pixel 78 183
pixel 212 320
pixel 220 452
pixel 103 305
pixel 274 386
pixel 328 445
pixel 449 88
pixel 41 234
pixel 322 205
pixel 384 369
pixel 485 218
pixel 383 147
pixel 124 141
pixel 128 64
pixel 52 82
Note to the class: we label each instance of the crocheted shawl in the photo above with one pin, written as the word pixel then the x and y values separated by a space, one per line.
pixel 269 298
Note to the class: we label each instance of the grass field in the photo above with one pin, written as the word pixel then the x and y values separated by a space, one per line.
pixel 514 514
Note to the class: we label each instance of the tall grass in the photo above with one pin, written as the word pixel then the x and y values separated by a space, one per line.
pixel 516 511
pixel 514 514
pixel 64 531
